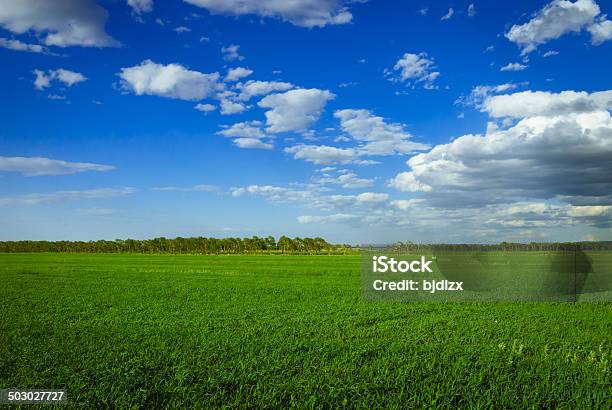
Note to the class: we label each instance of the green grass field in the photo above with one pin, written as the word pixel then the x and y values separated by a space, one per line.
pixel 273 331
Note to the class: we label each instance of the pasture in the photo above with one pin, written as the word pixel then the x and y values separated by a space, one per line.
pixel 127 330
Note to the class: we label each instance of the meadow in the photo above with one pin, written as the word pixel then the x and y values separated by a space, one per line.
pixel 150 331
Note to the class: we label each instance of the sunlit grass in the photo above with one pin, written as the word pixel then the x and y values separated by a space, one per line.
pixel 275 331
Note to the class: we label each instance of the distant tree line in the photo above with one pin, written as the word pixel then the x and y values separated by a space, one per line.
pixel 269 245
pixel 197 245
pixel 504 246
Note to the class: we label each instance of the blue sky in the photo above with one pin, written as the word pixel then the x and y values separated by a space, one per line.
pixel 359 121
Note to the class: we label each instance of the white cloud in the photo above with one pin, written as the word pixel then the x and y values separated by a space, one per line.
pixel 405 204
pixel 365 162
pixel 378 137
pixel 194 188
pixel 141 6
pixel 448 15
pixel 250 129
pixel 69 78
pixel 416 68
pixel 235 74
pixel 559 150
pixel 274 193
pixel 348 180
pixel 407 182
pixel 308 219
pixel 373 135
pixel 294 110
pixel 42 80
pixel 205 107
pixel 582 211
pixel 322 154
pixel 480 93
pixel 171 81
pixel 303 13
pixel 247 135
pixel 254 88
pixel 352 181
pixel 601 31
pixel 21 46
pixel 372 197
pixel 182 29
pixel 37 166
pixel 229 107
pixel 541 103
pixel 230 53
pixel 252 143
pixel 550 53
pixel 314 196
pixel 58 196
pixel 471 10
pixel 557 18
pixel 62 22
pixel 513 67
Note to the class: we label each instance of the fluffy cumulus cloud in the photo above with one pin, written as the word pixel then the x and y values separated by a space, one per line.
pixel 249 129
pixel 406 181
pixel 38 166
pixel 234 100
pixel 372 135
pixel 171 81
pixel 248 134
pixel 414 69
pixel 560 17
pixel 45 78
pixel 303 13
pixel 205 107
pixel 559 150
pixel 229 107
pixel 294 110
pixel 600 31
pixel 347 180
pixel 235 74
pixel 61 23
pixel 253 88
pixel 141 6
pixel 323 154
pixel 377 136
pixel 542 103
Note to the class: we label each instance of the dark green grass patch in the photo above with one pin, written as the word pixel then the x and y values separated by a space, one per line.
pixel 276 331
